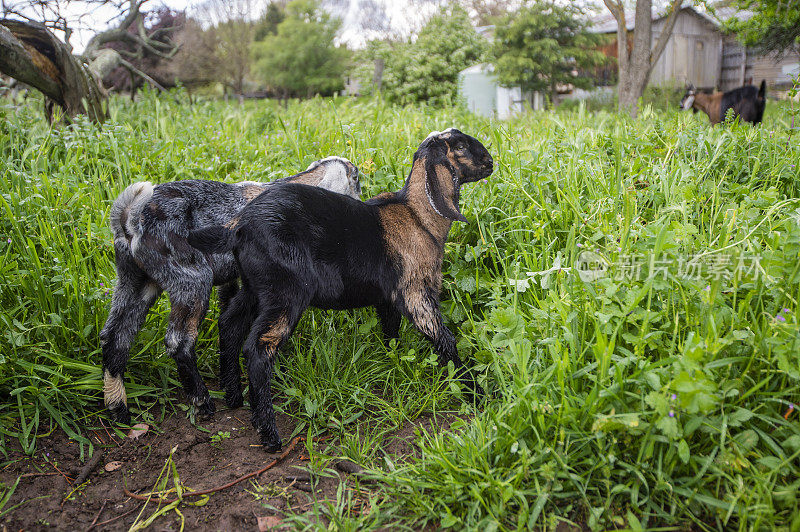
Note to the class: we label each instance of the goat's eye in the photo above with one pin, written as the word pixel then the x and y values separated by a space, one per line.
pixel 460 147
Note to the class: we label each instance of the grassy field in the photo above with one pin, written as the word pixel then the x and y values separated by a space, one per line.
pixel 658 393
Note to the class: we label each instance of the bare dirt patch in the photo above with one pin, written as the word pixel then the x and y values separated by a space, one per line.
pixel 202 460
pixel 202 463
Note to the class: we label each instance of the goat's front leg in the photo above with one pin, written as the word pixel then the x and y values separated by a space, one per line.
pixel 423 311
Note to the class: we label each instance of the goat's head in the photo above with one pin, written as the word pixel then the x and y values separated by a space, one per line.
pixel 450 159
pixel 688 98
pixel 337 174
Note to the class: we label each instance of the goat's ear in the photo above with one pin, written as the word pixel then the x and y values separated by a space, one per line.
pixel 441 188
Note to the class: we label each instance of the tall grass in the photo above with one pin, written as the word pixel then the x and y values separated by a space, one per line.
pixel 625 401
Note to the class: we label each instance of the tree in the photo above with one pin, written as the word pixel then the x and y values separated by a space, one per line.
pixel 636 62
pixel 234 33
pixel 162 25
pixel 427 69
pixel 369 64
pixel 487 11
pixel 545 45
pixel 774 26
pixel 268 23
pixel 32 54
pixel 302 59
pixel 196 64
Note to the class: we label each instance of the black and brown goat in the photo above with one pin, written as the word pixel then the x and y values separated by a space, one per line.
pixel 298 246
pixel 150 227
pixel 746 102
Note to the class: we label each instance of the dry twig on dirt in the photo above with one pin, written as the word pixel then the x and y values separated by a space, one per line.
pixel 283 455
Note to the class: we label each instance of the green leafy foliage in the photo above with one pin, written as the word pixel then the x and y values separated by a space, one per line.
pixel 774 25
pixel 545 44
pixel 302 59
pixel 426 70
pixel 273 15
pixel 625 401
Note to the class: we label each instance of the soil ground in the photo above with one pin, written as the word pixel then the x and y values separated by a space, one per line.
pixel 287 488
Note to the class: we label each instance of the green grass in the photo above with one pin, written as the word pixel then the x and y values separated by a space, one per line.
pixel 621 402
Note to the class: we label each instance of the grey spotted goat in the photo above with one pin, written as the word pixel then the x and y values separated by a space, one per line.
pixel 151 224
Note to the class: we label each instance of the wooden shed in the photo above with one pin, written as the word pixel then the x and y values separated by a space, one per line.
pixel 698 52
pixel 742 66
pixel 693 52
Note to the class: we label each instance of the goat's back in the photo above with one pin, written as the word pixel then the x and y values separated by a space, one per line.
pixel 192 203
pixel 333 241
pixel 745 102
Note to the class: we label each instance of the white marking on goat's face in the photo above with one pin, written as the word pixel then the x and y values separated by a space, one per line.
pixel 337 179
pixel 443 134
pixel 113 390
pixel 325 160
pixel 688 101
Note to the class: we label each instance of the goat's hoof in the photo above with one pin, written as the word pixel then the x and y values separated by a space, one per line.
pixel 120 414
pixel 273 448
pixel 271 443
pixel 234 400
pixel 478 395
pixel 474 391
pixel 207 409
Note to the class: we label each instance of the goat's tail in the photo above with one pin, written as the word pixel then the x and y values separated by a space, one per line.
pixel 127 209
pixel 762 90
pixel 212 239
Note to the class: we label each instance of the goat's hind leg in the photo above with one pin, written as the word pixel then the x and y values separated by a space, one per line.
pixel 189 304
pixel 226 293
pixel 234 324
pixel 390 320
pixel 271 329
pixel 133 296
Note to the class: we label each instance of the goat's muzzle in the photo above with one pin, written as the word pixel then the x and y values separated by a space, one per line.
pixel 487 167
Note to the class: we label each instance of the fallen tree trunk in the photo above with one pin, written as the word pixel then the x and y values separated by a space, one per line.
pixel 30 53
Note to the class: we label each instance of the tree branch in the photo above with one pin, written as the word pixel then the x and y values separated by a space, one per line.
pixel 31 54
pixel 133 13
pixel 151 45
pixel 149 39
pixel 133 70
pixel 666 32
pixel 131 55
pixel 115 34
pixel 16 58
pixel 157 32
pixel 618 11
pixel 119 34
